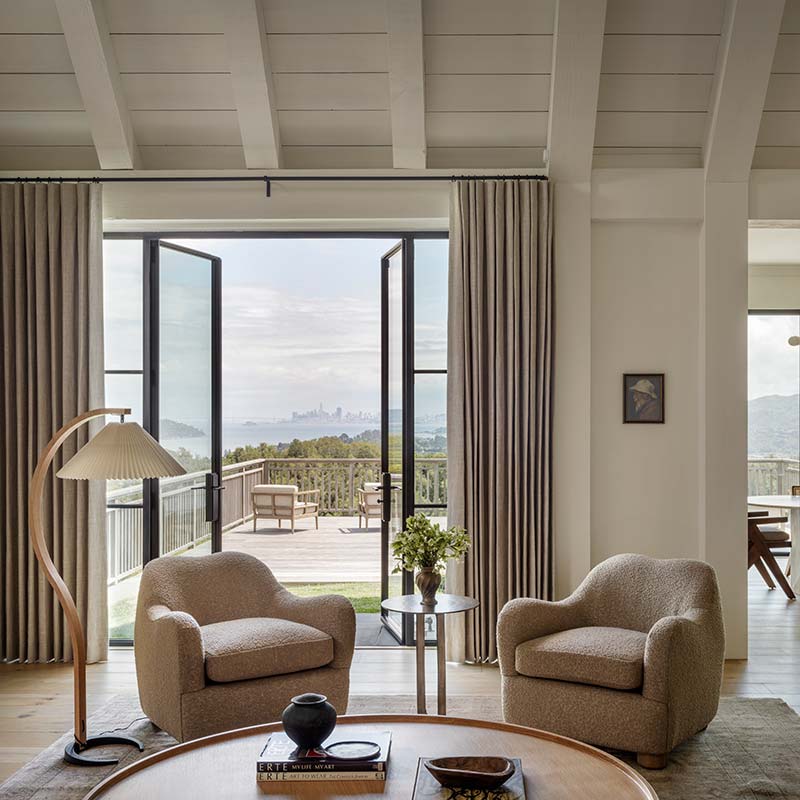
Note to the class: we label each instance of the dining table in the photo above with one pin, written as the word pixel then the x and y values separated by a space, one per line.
pixel 790 503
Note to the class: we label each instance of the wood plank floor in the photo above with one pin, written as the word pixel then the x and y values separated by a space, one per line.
pixel 36 699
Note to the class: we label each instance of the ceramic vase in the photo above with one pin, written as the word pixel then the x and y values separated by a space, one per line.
pixel 309 720
pixel 428 581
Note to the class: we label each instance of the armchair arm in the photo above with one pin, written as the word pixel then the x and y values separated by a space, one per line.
pixel 527 618
pixel 683 660
pixel 174 638
pixel 309 491
pixel 329 613
pixel 169 663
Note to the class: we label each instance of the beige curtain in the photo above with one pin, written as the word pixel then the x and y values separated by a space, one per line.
pixel 500 339
pixel 51 300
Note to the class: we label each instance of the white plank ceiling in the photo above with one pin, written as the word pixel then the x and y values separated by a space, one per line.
pixel 487 84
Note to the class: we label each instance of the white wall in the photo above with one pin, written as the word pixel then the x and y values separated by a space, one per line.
pixel 645 306
pixel 667 293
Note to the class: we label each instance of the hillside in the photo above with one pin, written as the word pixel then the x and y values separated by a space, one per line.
pixel 773 426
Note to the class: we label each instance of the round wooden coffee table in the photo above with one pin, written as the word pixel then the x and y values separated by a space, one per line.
pixel 224 765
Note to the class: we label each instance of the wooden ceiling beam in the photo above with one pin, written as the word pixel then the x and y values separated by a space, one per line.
pixel 749 37
pixel 407 84
pixel 574 86
pixel 95 66
pixel 253 88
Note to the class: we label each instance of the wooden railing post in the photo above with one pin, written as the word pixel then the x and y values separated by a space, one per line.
pixel 351 500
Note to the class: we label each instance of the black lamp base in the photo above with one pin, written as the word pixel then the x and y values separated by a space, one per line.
pixel 73 753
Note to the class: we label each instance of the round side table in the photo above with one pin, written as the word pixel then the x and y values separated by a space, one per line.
pixel 446 604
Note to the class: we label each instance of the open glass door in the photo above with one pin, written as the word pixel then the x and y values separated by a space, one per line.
pixel 393 440
pixel 184 403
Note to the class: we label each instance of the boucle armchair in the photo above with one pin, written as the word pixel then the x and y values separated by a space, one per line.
pixel 220 644
pixel 632 660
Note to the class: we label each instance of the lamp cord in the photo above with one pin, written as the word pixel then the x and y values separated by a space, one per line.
pixel 125 728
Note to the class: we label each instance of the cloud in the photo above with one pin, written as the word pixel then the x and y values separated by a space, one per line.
pixel 773 365
pixel 290 350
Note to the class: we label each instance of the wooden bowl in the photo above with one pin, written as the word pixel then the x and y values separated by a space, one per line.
pixel 470 772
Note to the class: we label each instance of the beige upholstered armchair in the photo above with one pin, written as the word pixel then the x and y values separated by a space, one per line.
pixel 369 503
pixel 220 644
pixel 279 501
pixel 631 660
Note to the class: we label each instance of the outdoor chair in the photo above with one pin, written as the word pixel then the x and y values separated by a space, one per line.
pixel 369 503
pixel 278 501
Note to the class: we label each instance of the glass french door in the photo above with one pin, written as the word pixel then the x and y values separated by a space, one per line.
pixel 183 397
pixel 394 445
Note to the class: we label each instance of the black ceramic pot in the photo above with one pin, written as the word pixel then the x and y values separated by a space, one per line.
pixel 309 720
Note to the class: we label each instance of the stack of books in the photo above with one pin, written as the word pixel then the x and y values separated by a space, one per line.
pixel 282 760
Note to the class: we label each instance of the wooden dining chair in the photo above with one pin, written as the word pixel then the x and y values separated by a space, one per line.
pixel 762 539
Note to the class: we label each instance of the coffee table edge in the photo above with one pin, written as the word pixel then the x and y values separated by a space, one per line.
pixel 648 793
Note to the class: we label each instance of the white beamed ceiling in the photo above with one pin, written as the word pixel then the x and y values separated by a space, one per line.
pixel 487 72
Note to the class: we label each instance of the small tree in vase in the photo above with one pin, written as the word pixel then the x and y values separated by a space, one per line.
pixel 425 546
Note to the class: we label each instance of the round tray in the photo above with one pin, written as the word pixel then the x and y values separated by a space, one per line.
pixel 353 750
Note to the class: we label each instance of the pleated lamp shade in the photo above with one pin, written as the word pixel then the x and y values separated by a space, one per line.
pixel 121 450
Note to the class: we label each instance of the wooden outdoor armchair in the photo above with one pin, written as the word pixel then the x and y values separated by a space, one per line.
pixel 284 501
pixel 369 503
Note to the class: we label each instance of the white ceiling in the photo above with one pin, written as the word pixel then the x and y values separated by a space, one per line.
pixel 774 246
pixel 487 84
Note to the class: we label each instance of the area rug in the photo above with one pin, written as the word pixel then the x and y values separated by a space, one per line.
pixel 751 750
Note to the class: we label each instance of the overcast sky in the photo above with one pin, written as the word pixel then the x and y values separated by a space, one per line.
pixel 774 366
pixel 301 323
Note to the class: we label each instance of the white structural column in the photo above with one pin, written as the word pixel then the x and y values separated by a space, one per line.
pixel 95 66
pixel 253 89
pixel 749 38
pixel 577 53
pixel 407 84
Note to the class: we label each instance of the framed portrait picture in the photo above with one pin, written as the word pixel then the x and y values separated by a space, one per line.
pixel 643 397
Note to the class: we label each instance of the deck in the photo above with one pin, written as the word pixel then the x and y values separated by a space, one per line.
pixel 339 552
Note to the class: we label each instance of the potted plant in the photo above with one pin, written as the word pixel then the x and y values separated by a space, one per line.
pixel 425 546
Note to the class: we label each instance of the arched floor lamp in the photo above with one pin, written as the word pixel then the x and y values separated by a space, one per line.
pixel 120 450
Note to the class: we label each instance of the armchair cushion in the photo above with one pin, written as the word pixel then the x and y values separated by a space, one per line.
pixel 258 647
pixel 608 657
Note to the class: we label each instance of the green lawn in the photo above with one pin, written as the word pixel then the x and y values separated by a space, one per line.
pixel 365 597
pixel 120 619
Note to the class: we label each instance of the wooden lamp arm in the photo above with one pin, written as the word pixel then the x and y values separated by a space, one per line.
pixel 44 558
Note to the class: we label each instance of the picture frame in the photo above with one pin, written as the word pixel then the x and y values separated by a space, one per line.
pixel 643 398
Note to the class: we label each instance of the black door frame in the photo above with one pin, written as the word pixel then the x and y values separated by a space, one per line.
pixel 151 519
pixel 405 247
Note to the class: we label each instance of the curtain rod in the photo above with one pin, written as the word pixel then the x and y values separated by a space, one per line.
pixel 268 179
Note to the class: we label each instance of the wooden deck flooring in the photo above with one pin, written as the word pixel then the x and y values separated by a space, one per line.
pixel 339 551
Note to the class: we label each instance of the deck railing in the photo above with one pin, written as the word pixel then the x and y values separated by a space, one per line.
pixel 183 525
pixel 772 475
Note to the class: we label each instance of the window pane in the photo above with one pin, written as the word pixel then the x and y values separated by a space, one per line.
pixel 430 304
pixel 773 409
pixel 430 439
pixel 122 303
pixel 124 537
pixel 125 391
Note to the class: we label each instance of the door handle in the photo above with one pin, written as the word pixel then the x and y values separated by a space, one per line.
pixel 386 500
pixel 212 499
